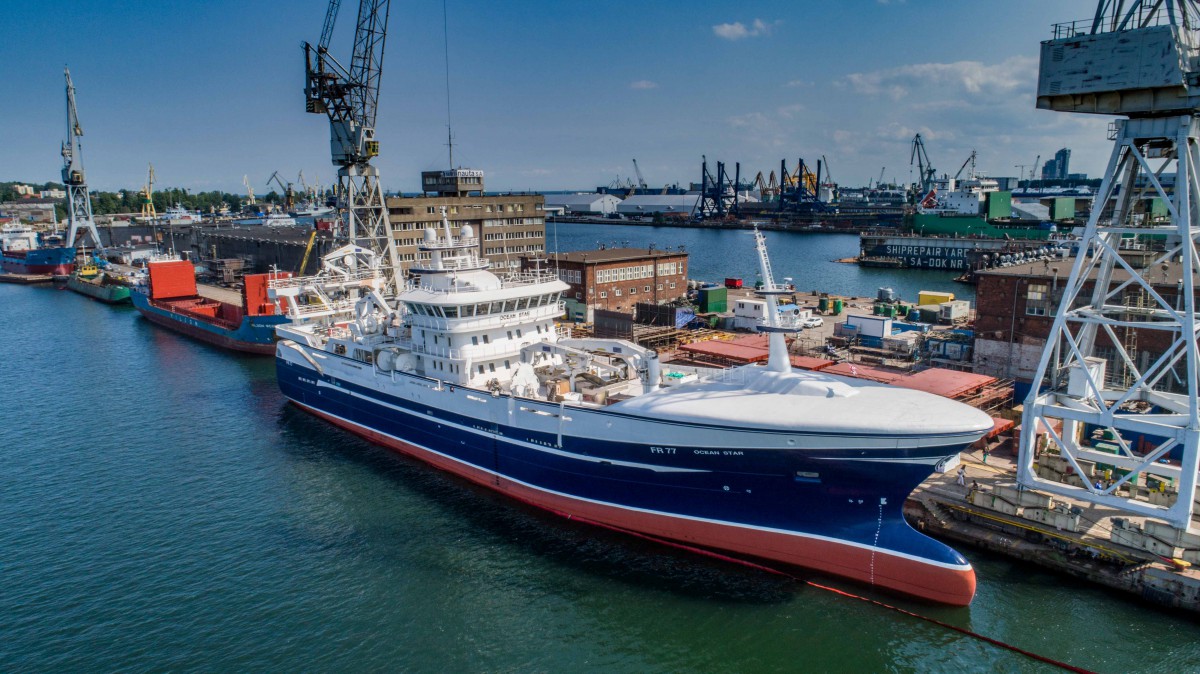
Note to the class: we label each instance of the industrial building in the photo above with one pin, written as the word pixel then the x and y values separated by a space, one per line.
pixel 508 225
pixel 583 204
pixel 1015 309
pixel 616 279
pixel 679 205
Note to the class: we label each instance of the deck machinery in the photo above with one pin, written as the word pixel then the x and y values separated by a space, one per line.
pixel 1135 60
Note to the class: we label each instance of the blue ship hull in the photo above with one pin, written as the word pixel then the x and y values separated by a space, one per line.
pixel 53 261
pixel 254 334
pixel 839 516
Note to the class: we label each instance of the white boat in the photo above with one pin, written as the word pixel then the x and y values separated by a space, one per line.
pixel 312 210
pixel 468 372
pixel 277 219
pixel 178 215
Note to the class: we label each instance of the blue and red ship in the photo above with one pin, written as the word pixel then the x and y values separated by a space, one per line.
pixel 171 299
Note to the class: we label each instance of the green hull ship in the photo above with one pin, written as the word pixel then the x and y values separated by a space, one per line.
pixel 98 286
pixel 975 226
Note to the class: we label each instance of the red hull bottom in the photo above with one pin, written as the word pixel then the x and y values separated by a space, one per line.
pixel 209 337
pixel 880 569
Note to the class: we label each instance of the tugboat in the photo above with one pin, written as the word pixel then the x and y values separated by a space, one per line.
pixel 469 373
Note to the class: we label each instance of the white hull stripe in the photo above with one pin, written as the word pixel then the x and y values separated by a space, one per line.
pixel 772 530
pixel 523 443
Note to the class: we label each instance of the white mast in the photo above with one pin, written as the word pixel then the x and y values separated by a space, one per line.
pixel 777 355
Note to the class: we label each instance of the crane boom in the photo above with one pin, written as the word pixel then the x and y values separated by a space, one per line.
pixel 638 171
pixel 350 98
pixel 79 202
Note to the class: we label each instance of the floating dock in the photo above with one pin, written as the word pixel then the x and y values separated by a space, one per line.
pixel 26 279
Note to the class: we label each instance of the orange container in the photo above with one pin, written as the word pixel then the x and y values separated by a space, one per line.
pixel 172 279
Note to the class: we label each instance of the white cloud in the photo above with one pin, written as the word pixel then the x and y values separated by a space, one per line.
pixel 791 84
pixel 643 84
pixel 740 31
pixel 947 80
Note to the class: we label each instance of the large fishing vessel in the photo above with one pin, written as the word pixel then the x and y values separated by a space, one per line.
pixel 470 374
pixel 170 298
pixel 22 253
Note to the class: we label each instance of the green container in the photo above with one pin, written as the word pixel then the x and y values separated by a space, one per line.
pixel 999 205
pixel 877 309
pixel 1062 208
pixel 714 300
pixel 823 305
pixel 837 307
pixel 889 310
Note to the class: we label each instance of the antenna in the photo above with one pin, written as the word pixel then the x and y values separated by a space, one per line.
pixel 446 47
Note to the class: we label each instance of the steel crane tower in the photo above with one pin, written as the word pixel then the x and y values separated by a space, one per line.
pixel 79 203
pixel 350 97
pixel 149 213
pixel 1120 373
pixel 924 166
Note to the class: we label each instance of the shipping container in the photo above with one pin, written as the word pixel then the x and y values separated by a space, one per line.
pixel 934 297
pixel 172 279
pixel 958 310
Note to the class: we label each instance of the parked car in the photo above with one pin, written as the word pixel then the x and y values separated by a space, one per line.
pixel 813 322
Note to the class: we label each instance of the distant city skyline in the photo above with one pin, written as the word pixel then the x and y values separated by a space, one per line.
pixel 543 95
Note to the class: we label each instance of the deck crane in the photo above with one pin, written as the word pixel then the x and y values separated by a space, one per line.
pixel 79 203
pixel 924 167
pixel 249 190
pixel 970 160
pixel 1118 381
pixel 638 171
pixel 349 97
pixel 149 213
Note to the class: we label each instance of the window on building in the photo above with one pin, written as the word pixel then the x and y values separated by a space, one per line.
pixel 480 369
pixel 603 295
pixel 1036 296
pixel 646 289
pixel 616 292
pixel 474 340
pixel 486 340
pixel 633 290
pixel 491 367
pixel 659 287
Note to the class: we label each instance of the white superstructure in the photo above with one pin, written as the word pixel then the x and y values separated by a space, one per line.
pixel 17 237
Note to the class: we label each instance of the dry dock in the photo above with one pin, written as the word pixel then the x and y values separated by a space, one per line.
pixel 942 508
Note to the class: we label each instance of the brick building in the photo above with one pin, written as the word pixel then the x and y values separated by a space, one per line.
pixel 1015 309
pixel 616 279
pixel 508 226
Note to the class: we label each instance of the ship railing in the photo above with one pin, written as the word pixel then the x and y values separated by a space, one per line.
pixel 443 244
pixel 476 352
pixel 307 310
pixel 509 281
pixel 1142 17
pixel 322 279
pixel 531 314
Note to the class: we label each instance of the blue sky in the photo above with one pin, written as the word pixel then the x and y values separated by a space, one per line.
pixel 544 95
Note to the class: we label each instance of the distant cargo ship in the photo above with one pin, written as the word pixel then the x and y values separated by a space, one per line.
pixel 170 299
pixel 22 253
pixel 976 207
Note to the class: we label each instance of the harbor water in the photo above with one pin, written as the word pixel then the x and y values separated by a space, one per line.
pixel 809 258
pixel 164 509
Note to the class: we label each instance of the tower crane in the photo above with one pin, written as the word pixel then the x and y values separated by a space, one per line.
pixel 1118 381
pixel 1033 169
pixel 249 190
pixel 149 213
pixel 349 97
pixel 924 167
pixel 79 202
pixel 289 194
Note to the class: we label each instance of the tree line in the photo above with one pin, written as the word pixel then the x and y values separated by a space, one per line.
pixel 130 201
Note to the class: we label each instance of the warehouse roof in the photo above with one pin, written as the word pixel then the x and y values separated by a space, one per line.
pixel 612 255
pixel 576 199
